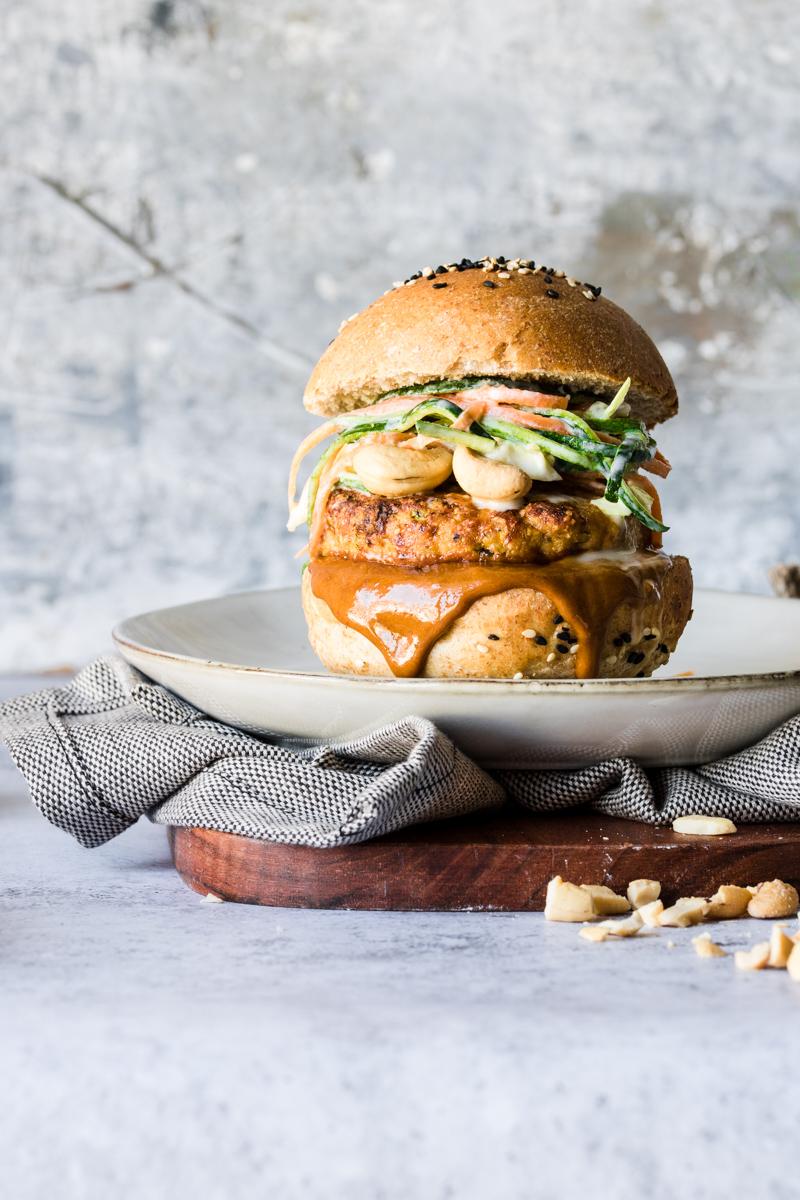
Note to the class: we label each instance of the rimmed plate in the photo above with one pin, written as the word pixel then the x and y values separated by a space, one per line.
pixel 245 659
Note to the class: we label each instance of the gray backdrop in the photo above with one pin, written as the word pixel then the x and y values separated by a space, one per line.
pixel 195 194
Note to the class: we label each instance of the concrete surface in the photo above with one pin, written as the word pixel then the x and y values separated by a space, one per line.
pixel 195 194
pixel 156 1045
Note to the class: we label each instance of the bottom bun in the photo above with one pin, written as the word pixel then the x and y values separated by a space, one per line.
pixel 640 636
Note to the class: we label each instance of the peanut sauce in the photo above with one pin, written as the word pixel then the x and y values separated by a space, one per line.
pixel 404 611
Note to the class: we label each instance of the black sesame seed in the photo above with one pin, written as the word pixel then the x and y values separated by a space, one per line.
pixel 649 637
pixel 552 293
pixel 662 649
pixel 501 259
pixel 640 674
pixel 558 619
pixel 488 283
pixel 493 637
pixel 440 285
pixel 562 649
pixel 563 635
pixel 540 641
pixel 594 290
pixel 635 656
pixel 618 641
pixel 440 270
pixel 626 638
pixel 548 278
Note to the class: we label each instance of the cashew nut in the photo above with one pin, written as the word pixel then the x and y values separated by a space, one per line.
pixel 643 891
pixel 780 947
pixel 689 910
pixel 651 913
pixel 700 826
pixel 754 959
pixel 567 902
pixel 774 899
pixel 728 901
pixel 486 479
pixel 705 948
pixel 400 470
pixel 627 927
pixel 605 899
pixel 793 964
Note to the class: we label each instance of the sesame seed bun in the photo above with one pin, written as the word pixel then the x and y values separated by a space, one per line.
pixel 529 326
pixel 650 630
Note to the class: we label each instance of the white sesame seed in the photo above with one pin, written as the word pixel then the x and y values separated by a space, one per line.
pixel 397 283
pixel 529 633
pixel 427 272
pixel 481 649
pixel 655 632
pixel 452 269
pixel 503 275
pixel 560 274
pixel 524 271
pixel 647 631
pixel 518 675
pixel 572 282
pixel 573 648
pixel 550 658
pixel 589 295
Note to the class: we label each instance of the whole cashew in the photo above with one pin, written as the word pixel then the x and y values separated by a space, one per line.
pixel 488 480
pixel 399 470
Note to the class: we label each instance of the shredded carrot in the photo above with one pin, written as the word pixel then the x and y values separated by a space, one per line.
pixel 657 466
pixel 656 540
pixel 308 443
pixel 529 419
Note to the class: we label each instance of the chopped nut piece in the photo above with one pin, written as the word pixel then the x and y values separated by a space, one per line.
pixel 594 933
pixel 780 947
pixel 728 901
pixel 689 910
pixel 567 902
pixel 605 899
pixel 754 959
pixel 651 913
pixel 793 965
pixel 628 927
pixel 700 826
pixel 643 891
pixel 774 899
pixel 705 948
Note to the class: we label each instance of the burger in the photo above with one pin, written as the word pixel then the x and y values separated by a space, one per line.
pixel 485 504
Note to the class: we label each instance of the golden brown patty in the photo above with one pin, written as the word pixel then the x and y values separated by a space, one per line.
pixel 447 527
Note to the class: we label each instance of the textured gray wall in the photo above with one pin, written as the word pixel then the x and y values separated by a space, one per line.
pixel 195 194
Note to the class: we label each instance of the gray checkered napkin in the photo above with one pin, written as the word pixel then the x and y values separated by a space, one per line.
pixel 112 746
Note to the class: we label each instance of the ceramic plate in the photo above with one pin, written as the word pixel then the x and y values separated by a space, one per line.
pixel 245 660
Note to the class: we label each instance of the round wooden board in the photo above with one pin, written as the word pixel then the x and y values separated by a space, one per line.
pixel 493 862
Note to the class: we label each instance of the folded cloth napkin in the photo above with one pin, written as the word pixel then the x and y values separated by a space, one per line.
pixel 112 746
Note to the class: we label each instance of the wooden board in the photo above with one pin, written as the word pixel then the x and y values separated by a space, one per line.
pixel 499 861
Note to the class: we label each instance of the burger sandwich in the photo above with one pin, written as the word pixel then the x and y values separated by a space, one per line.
pixel 484 499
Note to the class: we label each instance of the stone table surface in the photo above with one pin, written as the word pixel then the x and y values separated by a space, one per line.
pixel 156 1045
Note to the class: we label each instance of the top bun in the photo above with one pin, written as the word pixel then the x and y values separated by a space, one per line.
pixel 533 325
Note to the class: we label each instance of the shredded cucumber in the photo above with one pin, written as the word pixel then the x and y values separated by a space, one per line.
pixel 581 449
pixel 456 437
